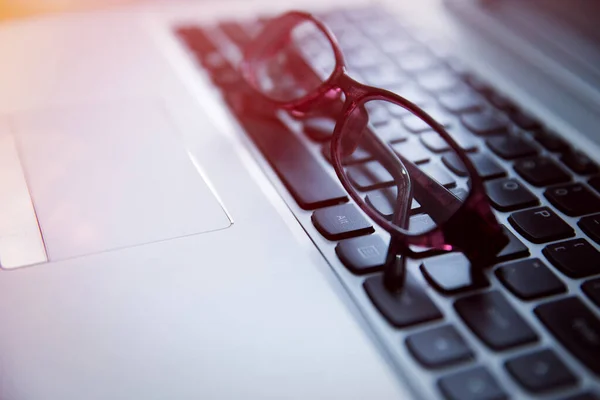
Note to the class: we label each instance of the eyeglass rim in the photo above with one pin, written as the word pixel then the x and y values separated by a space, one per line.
pixel 326 86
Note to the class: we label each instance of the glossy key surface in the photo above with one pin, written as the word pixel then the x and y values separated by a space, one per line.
pixel 540 225
pixel 494 320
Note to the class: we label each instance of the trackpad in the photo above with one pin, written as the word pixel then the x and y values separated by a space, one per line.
pixel 110 177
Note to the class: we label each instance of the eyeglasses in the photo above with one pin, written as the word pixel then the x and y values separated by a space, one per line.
pixel 296 64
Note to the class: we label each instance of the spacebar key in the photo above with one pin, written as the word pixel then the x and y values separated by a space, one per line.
pixel 576 327
pixel 301 173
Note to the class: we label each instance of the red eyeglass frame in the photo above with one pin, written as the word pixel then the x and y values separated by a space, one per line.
pixel 472 229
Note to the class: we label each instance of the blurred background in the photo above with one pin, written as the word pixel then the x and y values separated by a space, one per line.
pixel 23 8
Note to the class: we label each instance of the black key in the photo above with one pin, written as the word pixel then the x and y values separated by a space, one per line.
pixel 540 371
pixel 579 162
pixel 484 123
pixel 514 249
pixel 540 225
pixel 494 321
pixel 591 226
pixel 341 222
pixel 575 258
pixel 595 183
pixel 461 101
pixel 438 80
pixel 511 146
pixel 530 279
pixel 439 347
pixel 434 142
pixel 541 171
pixel 509 194
pixel 524 121
pixel 407 307
pixel 310 185
pixel 438 173
pixel 415 124
pixel 576 327
pixel 473 384
pixel 550 141
pixel 486 167
pixel 358 156
pixel 452 273
pixel 383 201
pixel 319 129
pixel 592 289
pixel 391 132
pixel 370 175
pixel 363 254
pixel 574 199
pixel 412 151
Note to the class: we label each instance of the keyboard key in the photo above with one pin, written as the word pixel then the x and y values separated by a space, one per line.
pixel 311 186
pixel 574 199
pixel 341 222
pixel 575 258
pixel 541 171
pixel 473 384
pixel 530 279
pixel 579 163
pixel 510 147
pixel 524 121
pixel 591 227
pixel 494 321
pixel 438 347
pixel 407 307
pixel 370 175
pixel 363 254
pixel 595 183
pixel 460 101
pixel 359 155
pixel 415 124
pixel 452 273
pixel 434 142
pixel 540 371
pixel 592 290
pixel 319 129
pixel 421 223
pixel 576 327
pixel 486 167
pixel 484 123
pixel 514 249
pixel 550 141
pixel 391 132
pixel 438 173
pixel 383 200
pixel 438 80
pixel 413 151
pixel 509 194
pixel 540 225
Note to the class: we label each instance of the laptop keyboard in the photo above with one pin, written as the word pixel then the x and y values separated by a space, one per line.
pixel 524 328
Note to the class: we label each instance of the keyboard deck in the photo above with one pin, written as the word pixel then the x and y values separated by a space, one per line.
pixel 528 327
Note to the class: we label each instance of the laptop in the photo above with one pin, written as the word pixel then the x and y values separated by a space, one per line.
pixel 153 246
